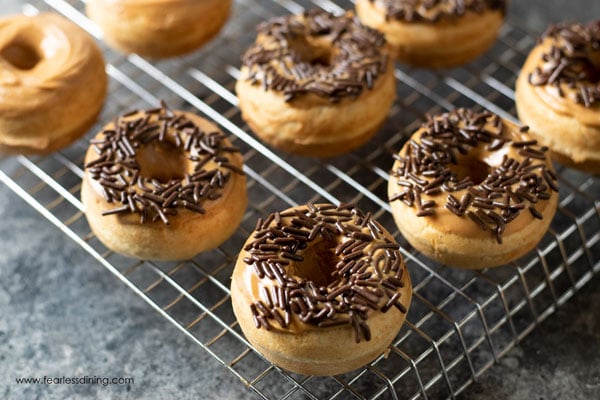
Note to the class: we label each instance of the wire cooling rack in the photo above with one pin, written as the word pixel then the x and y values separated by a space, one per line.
pixel 460 322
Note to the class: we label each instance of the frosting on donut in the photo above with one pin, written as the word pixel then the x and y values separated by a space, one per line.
pixel 330 56
pixel 565 70
pixel 195 164
pixel 570 62
pixel 158 28
pixel 38 59
pixel 432 10
pixel 52 83
pixel 476 166
pixel 319 266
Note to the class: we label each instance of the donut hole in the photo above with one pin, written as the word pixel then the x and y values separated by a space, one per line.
pixel 163 161
pixel 21 55
pixel 314 51
pixel 472 167
pixel 593 68
pixel 318 264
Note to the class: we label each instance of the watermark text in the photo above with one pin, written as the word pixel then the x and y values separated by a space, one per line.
pixel 75 380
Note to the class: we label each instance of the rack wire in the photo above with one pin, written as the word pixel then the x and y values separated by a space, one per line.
pixel 460 322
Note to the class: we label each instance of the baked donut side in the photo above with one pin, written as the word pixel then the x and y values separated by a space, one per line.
pixel 52 83
pixel 435 34
pixel 558 94
pixel 316 84
pixel 472 190
pixel 320 289
pixel 158 28
pixel 163 185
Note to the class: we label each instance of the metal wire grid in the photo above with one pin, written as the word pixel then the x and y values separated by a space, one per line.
pixel 460 322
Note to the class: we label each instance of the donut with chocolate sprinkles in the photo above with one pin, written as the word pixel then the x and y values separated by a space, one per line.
pixel 558 94
pixel 316 84
pixel 472 190
pixel 435 33
pixel 162 184
pixel 320 289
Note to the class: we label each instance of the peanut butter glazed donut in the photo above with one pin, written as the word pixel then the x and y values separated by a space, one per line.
pixel 316 84
pixel 558 94
pixel 163 185
pixel 320 289
pixel 52 83
pixel 158 28
pixel 435 33
pixel 472 190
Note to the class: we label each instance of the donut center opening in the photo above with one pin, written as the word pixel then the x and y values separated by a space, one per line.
pixel 471 167
pixel 318 264
pixel 314 51
pixel 593 69
pixel 21 55
pixel 163 161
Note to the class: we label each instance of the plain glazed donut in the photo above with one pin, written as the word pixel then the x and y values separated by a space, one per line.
pixel 558 94
pixel 158 28
pixel 163 185
pixel 320 289
pixel 435 33
pixel 52 83
pixel 472 190
pixel 316 84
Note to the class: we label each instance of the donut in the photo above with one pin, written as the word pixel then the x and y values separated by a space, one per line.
pixel 162 185
pixel 52 83
pixel 472 190
pixel 558 94
pixel 158 28
pixel 316 84
pixel 320 289
pixel 435 33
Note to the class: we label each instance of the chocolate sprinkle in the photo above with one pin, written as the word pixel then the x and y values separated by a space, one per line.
pixel 358 287
pixel 508 188
pixel 356 58
pixel 568 64
pixel 119 174
pixel 433 10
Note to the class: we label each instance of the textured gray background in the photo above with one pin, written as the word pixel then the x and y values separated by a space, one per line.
pixel 61 313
